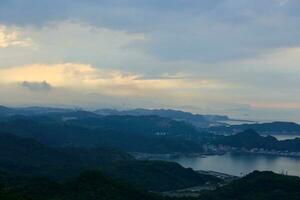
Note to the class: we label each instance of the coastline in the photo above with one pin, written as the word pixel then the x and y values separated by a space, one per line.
pixel 196 191
pixel 176 155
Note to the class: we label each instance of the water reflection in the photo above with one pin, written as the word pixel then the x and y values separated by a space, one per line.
pixel 241 164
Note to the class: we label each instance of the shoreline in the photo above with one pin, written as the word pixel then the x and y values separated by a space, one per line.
pixel 170 156
pixel 196 191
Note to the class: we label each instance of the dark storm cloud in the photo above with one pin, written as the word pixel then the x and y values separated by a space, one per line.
pixel 209 30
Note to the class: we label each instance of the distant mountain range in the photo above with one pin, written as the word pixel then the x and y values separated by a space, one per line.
pixel 144 134
pixel 250 139
pixel 148 134
pixel 195 119
pixel 5 111
pixel 217 124
pixel 272 128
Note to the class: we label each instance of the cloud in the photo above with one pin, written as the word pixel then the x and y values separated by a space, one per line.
pixel 275 69
pixel 282 2
pixel 212 54
pixel 209 30
pixel 89 86
pixel 36 86
pixel 83 79
pixel 76 42
pixel 12 37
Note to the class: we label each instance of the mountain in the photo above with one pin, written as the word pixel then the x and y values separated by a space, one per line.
pixel 171 175
pixel 262 128
pixel 27 156
pixel 94 185
pixel 23 158
pixel 90 185
pixel 250 139
pixel 258 186
pixel 145 125
pixel 200 121
pixel 4 111
pixel 194 119
pixel 28 111
pixel 150 134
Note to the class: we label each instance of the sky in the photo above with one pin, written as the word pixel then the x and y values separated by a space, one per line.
pixel 235 57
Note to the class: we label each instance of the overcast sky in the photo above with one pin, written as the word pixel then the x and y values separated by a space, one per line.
pixel 235 57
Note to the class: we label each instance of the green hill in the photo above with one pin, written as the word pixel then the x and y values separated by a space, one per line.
pixel 270 128
pixel 258 186
pixel 157 175
pixel 27 156
pixel 132 134
pixel 90 185
pixel 250 139
pixel 23 158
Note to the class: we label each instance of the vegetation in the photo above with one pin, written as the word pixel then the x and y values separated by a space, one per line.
pixel 171 176
pixel 23 158
pixel 26 156
pixel 71 155
pixel 92 185
pixel 250 139
pixel 131 134
pixel 195 119
pixel 89 185
pixel 258 186
pixel 262 128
